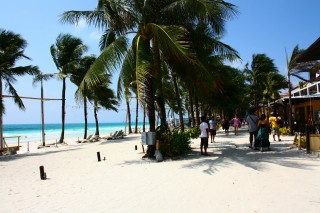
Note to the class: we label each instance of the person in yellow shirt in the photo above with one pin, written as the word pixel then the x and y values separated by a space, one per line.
pixel 275 127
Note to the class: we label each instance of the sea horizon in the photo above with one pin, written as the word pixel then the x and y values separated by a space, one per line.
pixel 33 132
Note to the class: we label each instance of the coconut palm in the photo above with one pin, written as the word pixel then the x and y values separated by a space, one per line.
pixel 272 86
pixel 76 78
pixel 40 77
pixel 127 84
pixel 295 69
pixel 158 22
pixel 261 66
pixel 12 48
pixel 147 15
pixel 66 54
pixel 103 97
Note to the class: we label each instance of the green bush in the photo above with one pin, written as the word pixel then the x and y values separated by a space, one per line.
pixel 193 132
pixel 302 141
pixel 284 131
pixel 174 143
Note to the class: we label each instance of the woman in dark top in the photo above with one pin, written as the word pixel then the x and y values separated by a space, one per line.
pixel 262 140
pixel 226 125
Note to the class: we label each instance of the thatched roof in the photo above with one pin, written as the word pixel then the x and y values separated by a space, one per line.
pixel 310 54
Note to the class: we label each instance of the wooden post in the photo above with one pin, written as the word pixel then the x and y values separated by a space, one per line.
pixel 43 175
pixel 98 155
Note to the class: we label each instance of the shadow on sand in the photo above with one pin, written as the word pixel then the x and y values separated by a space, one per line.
pixel 225 153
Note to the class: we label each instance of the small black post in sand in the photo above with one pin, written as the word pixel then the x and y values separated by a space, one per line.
pixel 43 175
pixel 98 155
pixel 136 147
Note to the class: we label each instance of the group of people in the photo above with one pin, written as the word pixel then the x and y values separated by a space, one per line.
pixel 259 130
pixel 209 128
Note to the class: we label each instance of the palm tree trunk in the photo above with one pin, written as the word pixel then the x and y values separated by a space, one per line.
pixel 136 126
pixel 175 84
pixel 129 116
pixel 42 115
pixel 85 111
pixel 63 112
pixel 96 118
pixel 290 105
pixel 191 108
pixel 1 118
pixel 151 114
pixel 149 98
pixel 157 68
pixel 197 111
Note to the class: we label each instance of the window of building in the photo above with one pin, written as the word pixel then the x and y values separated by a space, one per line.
pixel 312 90
pixel 304 92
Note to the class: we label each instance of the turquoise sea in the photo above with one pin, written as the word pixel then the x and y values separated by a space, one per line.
pixel 33 132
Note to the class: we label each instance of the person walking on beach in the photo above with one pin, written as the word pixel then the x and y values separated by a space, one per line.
pixel 213 128
pixel 252 121
pixel 226 125
pixel 204 136
pixel 262 140
pixel 236 123
pixel 274 126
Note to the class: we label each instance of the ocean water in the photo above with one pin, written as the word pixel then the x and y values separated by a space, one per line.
pixel 33 132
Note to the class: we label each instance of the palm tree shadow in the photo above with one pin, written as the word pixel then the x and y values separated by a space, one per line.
pixel 227 153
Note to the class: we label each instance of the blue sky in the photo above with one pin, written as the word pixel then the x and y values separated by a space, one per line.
pixel 262 26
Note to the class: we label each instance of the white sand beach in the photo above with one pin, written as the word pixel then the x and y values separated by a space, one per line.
pixel 233 178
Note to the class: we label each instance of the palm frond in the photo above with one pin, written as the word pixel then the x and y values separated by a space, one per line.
pixel 16 97
pixel 94 18
pixel 108 61
pixel 173 39
pixel 127 73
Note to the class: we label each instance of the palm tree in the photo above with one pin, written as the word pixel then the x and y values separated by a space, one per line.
pixel 66 54
pixel 103 96
pixel 261 66
pixel 40 77
pixel 12 48
pixel 76 78
pixel 295 69
pixel 126 84
pixel 272 85
pixel 152 22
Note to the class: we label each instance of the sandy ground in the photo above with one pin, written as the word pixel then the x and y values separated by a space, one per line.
pixel 233 178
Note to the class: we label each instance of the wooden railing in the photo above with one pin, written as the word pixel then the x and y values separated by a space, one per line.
pixel 6 147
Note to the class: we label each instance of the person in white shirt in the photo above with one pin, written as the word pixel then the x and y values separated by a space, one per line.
pixel 204 135
pixel 213 129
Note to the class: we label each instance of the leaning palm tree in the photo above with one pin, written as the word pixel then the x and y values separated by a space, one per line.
pixel 153 23
pixel 296 69
pixel 12 48
pixel 261 66
pixel 66 54
pixel 126 81
pixel 103 97
pixel 272 86
pixel 76 78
